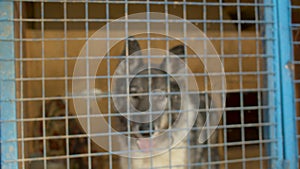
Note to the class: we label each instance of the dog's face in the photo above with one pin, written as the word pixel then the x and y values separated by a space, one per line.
pixel 154 96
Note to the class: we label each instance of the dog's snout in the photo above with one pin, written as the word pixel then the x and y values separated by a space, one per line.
pixel 146 130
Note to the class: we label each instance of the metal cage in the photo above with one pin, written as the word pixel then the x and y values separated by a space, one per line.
pixel 257 42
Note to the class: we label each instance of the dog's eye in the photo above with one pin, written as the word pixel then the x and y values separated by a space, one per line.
pixel 135 97
pixel 133 90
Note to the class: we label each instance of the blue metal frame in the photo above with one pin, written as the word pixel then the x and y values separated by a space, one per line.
pixel 274 116
pixel 286 82
pixel 8 129
pixel 285 147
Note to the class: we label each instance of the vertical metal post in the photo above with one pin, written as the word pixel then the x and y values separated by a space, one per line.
pixel 285 148
pixel 287 87
pixel 8 129
pixel 273 97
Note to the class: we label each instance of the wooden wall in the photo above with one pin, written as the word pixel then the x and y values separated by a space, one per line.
pixel 54 69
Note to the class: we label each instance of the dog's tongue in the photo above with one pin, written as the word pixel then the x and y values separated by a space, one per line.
pixel 145 144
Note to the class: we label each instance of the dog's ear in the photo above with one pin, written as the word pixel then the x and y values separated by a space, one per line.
pixel 134 49
pixel 172 64
pixel 178 50
pixel 127 66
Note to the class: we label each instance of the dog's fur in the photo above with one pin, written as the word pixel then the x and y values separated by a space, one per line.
pixel 188 153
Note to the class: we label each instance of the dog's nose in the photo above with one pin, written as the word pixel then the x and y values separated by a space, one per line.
pixel 145 129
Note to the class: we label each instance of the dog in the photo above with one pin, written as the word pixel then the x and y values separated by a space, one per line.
pixel 145 127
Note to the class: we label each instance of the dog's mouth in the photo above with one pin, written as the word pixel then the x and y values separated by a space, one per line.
pixel 153 136
pixel 145 130
pixel 145 134
pixel 146 144
pixel 149 137
pixel 153 144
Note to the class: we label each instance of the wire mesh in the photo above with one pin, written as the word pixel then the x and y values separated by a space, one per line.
pixel 50 34
pixel 295 27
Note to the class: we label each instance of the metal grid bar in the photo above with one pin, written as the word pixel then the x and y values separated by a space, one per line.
pixel 8 128
pixel 66 88
pixel 21 83
pixel 109 89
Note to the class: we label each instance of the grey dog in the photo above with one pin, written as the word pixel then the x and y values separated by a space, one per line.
pixel 152 90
